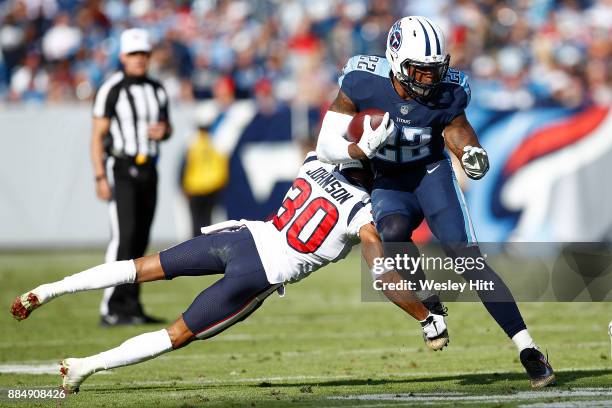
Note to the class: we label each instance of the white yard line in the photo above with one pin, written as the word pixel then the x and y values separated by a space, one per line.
pixel 32 368
pixel 570 404
pixel 51 367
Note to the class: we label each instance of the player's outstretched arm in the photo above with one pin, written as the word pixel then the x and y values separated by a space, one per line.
pixel 371 249
pixel 434 329
pixel 331 145
pixel 463 142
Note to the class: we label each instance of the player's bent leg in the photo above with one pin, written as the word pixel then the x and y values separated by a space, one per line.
pixel 99 277
pixel 450 224
pixel 225 303
pixel 448 217
pixel 501 306
pixel 133 351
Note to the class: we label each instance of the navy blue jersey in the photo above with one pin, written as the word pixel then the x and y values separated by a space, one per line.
pixel 366 80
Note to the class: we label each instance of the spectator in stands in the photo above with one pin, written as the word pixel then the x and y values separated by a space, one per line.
pixel 200 41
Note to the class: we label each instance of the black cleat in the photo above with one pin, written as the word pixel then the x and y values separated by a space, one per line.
pixel 148 319
pixel 538 368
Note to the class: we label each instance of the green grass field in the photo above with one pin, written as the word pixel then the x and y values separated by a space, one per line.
pixel 320 346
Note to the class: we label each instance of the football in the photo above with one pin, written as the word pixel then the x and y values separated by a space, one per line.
pixel 355 129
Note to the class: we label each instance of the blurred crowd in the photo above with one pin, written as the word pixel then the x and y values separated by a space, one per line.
pixel 518 53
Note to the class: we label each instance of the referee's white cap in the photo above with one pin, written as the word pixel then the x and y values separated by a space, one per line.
pixel 135 40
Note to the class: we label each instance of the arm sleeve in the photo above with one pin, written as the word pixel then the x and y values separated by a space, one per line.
pixel 361 218
pixel 331 145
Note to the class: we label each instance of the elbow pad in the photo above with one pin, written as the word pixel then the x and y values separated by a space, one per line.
pixel 332 147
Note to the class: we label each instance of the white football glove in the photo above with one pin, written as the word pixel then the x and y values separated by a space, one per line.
pixel 435 332
pixel 374 139
pixel 475 162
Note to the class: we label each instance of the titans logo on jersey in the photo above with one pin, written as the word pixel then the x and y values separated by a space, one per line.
pixel 366 80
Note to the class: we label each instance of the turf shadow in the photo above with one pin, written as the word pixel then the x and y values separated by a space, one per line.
pixel 564 378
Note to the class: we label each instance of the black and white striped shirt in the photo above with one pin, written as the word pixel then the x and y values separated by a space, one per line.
pixel 132 104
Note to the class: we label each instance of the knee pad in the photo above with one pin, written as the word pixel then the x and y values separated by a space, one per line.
pixel 395 228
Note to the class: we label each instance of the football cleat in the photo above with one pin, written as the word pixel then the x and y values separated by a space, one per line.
pixel 538 368
pixel 73 371
pixel 435 333
pixel 24 305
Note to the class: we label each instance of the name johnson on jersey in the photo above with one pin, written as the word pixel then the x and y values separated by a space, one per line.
pixel 330 184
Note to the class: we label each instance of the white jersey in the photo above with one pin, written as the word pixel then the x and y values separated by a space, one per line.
pixel 317 223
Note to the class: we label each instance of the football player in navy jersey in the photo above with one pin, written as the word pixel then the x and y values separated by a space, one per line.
pixel 425 101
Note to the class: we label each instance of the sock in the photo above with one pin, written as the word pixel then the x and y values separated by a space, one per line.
pixel 98 277
pixel 135 350
pixel 523 340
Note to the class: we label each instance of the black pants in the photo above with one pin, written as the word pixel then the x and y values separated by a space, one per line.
pixel 201 211
pixel 131 211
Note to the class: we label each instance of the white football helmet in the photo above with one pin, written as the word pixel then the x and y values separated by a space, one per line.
pixel 417 43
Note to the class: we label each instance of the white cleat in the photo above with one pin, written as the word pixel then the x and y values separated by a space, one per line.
pixel 24 305
pixel 435 333
pixel 74 371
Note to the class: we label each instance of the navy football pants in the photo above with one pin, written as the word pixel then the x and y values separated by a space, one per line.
pixel 400 203
pixel 429 192
pixel 231 299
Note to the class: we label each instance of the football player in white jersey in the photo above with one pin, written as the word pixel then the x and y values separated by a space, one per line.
pixel 324 213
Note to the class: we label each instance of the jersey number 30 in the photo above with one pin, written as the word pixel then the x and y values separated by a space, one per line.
pixel 327 218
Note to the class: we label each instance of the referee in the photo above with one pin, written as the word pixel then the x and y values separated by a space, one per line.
pixel 130 118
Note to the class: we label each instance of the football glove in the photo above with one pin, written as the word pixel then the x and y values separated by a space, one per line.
pixel 374 139
pixel 435 332
pixel 475 162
